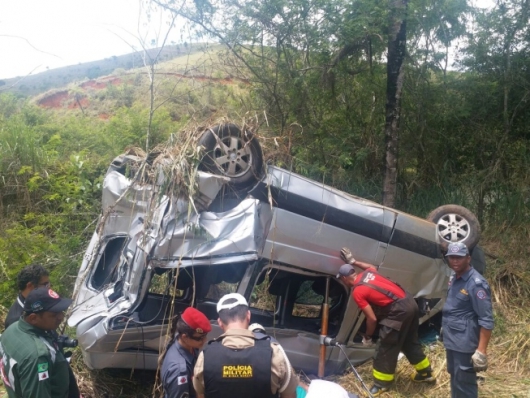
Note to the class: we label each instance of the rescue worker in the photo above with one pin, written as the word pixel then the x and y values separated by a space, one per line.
pixel 383 301
pixel 467 322
pixel 31 277
pixel 28 279
pixel 32 364
pixel 188 333
pixel 238 364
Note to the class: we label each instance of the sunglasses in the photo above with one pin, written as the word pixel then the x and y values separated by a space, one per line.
pixel 198 338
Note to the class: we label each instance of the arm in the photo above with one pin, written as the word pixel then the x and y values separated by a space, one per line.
pixel 176 380
pixel 285 378
pixel 34 377
pixel 371 320
pixel 198 376
pixel 481 301
pixel 347 256
pixel 364 266
pixel 484 339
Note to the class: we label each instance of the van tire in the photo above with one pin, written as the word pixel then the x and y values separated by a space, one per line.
pixel 456 223
pixel 232 153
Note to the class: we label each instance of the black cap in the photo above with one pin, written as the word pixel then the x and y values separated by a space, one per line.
pixel 45 299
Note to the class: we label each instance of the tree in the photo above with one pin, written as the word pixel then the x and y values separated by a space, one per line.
pixel 394 86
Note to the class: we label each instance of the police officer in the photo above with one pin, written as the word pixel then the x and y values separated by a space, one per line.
pixel 188 333
pixel 383 301
pixel 467 321
pixel 32 364
pixel 31 277
pixel 238 364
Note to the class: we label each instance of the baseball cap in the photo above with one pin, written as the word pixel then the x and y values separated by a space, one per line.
pixel 256 327
pixel 238 300
pixel 196 320
pixel 345 270
pixel 457 249
pixel 45 299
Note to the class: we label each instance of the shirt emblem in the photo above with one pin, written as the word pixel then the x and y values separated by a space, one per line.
pixel 182 380
pixel 369 277
pixel 42 371
pixel 464 291
pixel 481 294
pixel 43 376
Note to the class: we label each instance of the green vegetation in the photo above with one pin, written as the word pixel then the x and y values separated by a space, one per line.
pixel 312 74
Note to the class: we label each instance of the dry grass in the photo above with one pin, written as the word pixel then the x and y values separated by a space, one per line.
pixel 507 376
pixel 509 351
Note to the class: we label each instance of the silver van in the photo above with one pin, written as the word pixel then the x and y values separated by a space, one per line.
pixel 265 232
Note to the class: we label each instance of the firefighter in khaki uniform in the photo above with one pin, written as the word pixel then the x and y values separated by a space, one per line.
pixel 383 301
pixel 32 365
pixel 240 364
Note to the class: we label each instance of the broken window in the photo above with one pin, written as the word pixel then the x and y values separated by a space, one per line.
pixel 291 300
pixel 108 263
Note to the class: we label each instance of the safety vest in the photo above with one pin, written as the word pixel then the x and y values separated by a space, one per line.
pixel 380 312
pixel 386 292
pixel 238 373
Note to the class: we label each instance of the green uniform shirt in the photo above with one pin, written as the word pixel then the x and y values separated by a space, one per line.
pixel 31 365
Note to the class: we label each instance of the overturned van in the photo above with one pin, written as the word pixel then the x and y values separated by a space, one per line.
pixel 265 232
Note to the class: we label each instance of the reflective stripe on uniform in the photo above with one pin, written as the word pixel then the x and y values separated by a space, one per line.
pixel 383 376
pixel 52 350
pixel 423 364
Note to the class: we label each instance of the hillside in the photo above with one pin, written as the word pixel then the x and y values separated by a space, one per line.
pixel 61 77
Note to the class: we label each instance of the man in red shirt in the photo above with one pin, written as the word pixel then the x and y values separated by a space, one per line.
pixel 385 302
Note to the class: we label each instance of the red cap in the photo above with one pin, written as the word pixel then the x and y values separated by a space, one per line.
pixel 196 320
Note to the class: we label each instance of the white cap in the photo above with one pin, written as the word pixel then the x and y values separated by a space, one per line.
pixel 239 300
pixel 256 327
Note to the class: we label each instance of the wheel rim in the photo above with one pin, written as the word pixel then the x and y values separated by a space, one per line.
pixel 453 228
pixel 233 156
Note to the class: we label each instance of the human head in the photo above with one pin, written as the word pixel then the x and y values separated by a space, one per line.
pixel 458 257
pixel 346 274
pixel 44 308
pixel 32 277
pixel 192 328
pixel 233 312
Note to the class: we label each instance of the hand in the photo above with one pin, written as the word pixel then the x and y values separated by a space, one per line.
pixel 367 342
pixel 480 361
pixel 346 255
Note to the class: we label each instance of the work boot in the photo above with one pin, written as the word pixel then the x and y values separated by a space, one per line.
pixel 423 376
pixel 378 390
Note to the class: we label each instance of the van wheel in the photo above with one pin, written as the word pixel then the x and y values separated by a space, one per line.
pixel 232 153
pixel 455 223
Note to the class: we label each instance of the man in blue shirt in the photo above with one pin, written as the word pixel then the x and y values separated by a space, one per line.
pixel 467 322
pixel 188 335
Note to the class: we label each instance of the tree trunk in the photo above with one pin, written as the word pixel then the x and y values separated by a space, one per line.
pixel 395 74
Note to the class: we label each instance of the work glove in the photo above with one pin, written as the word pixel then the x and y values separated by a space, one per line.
pixel 480 361
pixel 346 255
pixel 367 342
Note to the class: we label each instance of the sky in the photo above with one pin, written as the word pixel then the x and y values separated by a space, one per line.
pixel 36 35
pixel 40 34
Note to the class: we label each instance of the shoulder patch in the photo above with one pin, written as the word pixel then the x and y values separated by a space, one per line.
pixel 481 294
pixel 43 375
pixel 182 380
pixel 42 367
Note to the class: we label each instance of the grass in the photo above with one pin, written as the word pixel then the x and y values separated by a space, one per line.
pixel 509 350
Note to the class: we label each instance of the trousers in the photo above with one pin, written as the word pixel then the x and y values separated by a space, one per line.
pixel 463 376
